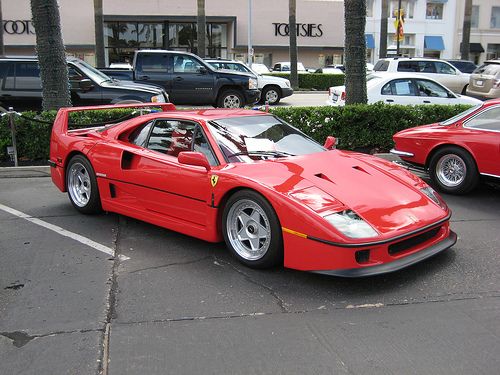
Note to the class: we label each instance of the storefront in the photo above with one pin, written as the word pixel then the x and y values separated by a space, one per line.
pixel 168 24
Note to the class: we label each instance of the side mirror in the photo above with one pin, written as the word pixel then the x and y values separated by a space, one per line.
pixel 202 70
pixel 84 84
pixel 331 142
pixel 194 158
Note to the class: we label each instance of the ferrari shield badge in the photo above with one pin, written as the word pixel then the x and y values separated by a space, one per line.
pixel 214 179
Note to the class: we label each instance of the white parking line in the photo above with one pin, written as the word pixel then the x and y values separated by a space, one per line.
pixel 62 232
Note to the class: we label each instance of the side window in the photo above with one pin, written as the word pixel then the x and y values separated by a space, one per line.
pixel 428 88
pixel 403 87
pixel 201 145
pixel 140 135
pixel 23 76
pixel 487 120
pixel 171 136
pixel 408 66
pixel 183 64
pixel 443 68
pixel 154 62
pixel 428 67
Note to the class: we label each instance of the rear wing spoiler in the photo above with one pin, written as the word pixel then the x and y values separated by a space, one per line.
pixel 61 120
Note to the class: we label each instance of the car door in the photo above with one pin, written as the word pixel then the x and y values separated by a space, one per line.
pixel 482 132
pixel 83 90
pixel 448 76
pixel 192 82
pixel 159 182
pixel 22 86
pixel 432 93
pixel 396 91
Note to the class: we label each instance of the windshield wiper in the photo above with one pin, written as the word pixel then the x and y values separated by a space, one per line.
pixel 277 154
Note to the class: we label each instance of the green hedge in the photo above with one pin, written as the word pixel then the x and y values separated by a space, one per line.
pixel 357 127
pixel 316 81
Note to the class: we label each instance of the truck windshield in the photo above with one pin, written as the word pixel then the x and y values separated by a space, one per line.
pixel 91 72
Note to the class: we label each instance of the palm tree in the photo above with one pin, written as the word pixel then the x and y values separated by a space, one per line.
pixel 383 28
pixel 51 54
pixel 292 21
pixel 466 30
pixel 99 34
pixel 355 51
pixel 202 29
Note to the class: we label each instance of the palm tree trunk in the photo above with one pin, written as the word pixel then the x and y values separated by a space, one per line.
pixel 466 30
pixel 292 24
pixel 355 51
pixel 51 54
pixel 99 34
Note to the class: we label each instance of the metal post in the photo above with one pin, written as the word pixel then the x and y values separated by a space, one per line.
pixel 13 130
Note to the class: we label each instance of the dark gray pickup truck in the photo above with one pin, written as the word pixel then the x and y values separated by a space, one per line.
pixel 20 86
pixel 190 80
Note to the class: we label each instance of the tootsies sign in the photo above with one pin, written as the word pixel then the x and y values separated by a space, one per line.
pixel 312 30
pixel 18 27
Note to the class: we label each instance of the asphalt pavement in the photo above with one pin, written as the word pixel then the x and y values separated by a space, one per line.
pixel 107 294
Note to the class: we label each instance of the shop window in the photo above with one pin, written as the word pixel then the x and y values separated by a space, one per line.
pixel 434 11
pixel 407 6
pixel 495 18
pixel 474 17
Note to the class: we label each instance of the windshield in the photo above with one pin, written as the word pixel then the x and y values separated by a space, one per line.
pixel 91 72
pixel 460 115
pixel 247 138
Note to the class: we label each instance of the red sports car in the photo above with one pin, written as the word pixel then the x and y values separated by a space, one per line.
pixel 458 152
pixel 248 178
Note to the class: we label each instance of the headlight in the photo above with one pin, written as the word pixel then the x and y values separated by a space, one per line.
pixel 434 196
pixel 157 99
pixel 288 83
pixel 252 84
pixel 351 225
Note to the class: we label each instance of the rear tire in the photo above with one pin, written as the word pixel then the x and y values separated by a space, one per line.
pixel 81 184
pixel 453 171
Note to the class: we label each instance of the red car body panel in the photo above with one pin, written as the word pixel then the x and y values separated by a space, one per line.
pixel 157 188
pixel 422 141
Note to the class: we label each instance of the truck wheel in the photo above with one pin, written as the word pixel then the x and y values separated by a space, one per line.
pixel 271 95
pixel 230 99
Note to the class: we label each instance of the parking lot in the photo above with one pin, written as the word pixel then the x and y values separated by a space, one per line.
pixel 106 293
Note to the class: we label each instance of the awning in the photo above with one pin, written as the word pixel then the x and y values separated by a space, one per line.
pixel 370 42
pixel 434 42
pixel 474 47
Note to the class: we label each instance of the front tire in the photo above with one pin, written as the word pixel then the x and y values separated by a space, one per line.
pixel 81 185
pixel 252 230
pixel 230 99
pixel 271 95
pixel 453 171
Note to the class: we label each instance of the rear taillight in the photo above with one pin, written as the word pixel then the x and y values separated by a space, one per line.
pixel 496 83
pixel 343 95
pixel 329 91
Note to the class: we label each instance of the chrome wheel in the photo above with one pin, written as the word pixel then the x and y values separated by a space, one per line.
pixel 272 96
pixel 79 185
pixel 252 230
pixel 451 170
pixel 248 230
pixel 230 99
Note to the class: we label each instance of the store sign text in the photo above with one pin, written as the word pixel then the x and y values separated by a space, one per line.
pixel 18 27
pixel 311 30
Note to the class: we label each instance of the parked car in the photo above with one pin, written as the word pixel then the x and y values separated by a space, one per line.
pixel 188 79
pixel 399 88
pixel 273 89
pixel 485 81
pixel 284 66
pixel 464 66
pixel 458 152
pixel 331 69
pixel 21 85
pixel 260 68
pixel 248 178
pixel 439 70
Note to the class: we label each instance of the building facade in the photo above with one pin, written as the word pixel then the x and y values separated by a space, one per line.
pixel 431 28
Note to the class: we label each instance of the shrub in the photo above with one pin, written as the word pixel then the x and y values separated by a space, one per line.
pixel 357 127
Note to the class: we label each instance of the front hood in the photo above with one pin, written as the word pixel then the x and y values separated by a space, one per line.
pixel 130 85
pixel 388 197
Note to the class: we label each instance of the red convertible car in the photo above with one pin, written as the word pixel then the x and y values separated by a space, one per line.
pixel 458 152
pixel 248 178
